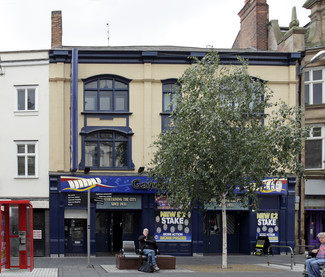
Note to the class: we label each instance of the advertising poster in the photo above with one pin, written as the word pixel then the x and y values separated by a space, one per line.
pixel 3 242
pixel 171 225
pixel 268 225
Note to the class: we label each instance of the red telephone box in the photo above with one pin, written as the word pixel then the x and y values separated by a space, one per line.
pixel 16 230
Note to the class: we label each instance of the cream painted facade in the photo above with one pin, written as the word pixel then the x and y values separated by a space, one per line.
pixel 145 104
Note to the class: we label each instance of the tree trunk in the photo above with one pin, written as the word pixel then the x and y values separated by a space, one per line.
pixel 224 231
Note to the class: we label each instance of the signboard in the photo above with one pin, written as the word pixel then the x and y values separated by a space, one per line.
pixel 120 201
pixel 75 199
pixel 231 205
pixel 172 226
pixel 268 225
pixel 272 186
pixel 106 184
pixel 37 234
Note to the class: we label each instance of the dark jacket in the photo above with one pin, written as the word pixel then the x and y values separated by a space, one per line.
pixel 150 243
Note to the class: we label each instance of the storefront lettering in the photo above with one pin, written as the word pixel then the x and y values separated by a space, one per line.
pixel 136 184
pixel 83 183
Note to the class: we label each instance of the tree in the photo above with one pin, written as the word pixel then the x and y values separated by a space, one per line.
pixel 225 137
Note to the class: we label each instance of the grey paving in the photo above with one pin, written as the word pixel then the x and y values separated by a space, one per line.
pixel 194 266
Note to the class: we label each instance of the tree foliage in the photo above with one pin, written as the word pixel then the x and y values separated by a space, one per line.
pixel 225 134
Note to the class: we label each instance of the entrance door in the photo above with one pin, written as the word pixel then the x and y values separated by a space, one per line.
pixel 213 232
pixel 75 235
pixel 316 225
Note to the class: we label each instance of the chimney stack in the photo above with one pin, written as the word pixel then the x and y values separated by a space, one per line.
pixel 56 20
pixel 254 19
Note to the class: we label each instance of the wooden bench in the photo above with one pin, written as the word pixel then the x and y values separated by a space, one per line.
pixel 128 259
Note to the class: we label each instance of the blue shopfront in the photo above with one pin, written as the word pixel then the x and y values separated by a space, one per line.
pixel 121 206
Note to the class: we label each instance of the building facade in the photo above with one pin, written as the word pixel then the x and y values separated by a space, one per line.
pixel 25 138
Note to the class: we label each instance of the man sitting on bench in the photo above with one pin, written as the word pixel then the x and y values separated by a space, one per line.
pixel 148 247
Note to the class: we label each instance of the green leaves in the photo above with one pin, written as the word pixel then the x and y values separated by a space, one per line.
pixel 218 140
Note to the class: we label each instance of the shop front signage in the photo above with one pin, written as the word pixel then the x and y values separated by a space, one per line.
pixel 106 184
pixel 120 201
pixel 268 225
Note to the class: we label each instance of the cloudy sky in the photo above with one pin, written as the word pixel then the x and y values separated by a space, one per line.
pixel 26 24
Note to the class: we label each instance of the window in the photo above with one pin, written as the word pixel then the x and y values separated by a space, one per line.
pixel 314 148
pixel 26 159
pixel 106 94
pixel 26 98
pixel 106 149
pixel 314 82
pixel 169 88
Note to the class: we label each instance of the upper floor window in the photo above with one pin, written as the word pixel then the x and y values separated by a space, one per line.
pixel 169 88
pixel 26 159
pixel 106 94
pixel 26 98
pixel 314 86
pixel 107 149
pixel 314 148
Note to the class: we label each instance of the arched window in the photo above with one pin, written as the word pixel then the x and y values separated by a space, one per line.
pixel 106 93
pixel 106 149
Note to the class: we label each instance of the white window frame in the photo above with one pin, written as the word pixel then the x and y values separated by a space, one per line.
pixel 310 137
pixel 26 155
pixel 311 82
pixel 26 87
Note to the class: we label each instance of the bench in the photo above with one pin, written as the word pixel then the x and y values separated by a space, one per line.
pixel 128 259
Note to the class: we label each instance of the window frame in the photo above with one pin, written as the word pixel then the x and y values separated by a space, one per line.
pixel 165 115
pixel 310 138
pixel 26 87
pixel 310 84
pixel 113 91
pixel 129 165
pixel 26 155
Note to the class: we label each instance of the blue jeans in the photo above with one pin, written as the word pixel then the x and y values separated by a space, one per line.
pixel 151 255
pixel 313 266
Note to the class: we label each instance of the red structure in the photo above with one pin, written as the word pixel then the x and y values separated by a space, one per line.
pixel 16 231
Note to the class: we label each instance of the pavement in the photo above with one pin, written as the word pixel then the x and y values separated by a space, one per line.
pixel 193 266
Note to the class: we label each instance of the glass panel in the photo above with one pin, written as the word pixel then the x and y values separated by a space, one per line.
pixel 105 101
pixel 120 85
pixel 167 88
pixel 314 154
pixel 92 136
pixel 31 99
pixel 14 221
pixel 91 85
pixel 21 148
pixel 166 122
pixel 106 84
pixel 106 135
pixel 21 166
pixel 128 223
pixel 167 101
pixel 175 88
pixel 120 154
pixel 317 75
pixel 317 132
pixel 119 136
pixel 121 100
pixel 307 76
pixel 31 148
pixel 21 99
pixel 317 93
pixel 91 154
pixel 100 223
pixel 306 94
pixel 106 155
pixel 31 166
pixel 230 224
pixel 90 100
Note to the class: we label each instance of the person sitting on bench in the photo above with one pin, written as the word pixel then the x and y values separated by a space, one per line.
pixel 318 254
pixel 148 247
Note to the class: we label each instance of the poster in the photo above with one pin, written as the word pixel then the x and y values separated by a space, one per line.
pixel 3 242
pixel 268 225
pixel 172 226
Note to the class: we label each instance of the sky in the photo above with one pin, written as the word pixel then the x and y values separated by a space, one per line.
pixel 26 24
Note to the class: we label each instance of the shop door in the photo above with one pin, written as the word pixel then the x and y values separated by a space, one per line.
pixel 75 235
pixel 316 225
pixel 213 233
pixel 103 239
pixel 39 232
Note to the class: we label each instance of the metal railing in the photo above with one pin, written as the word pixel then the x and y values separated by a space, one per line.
pixel 292 254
